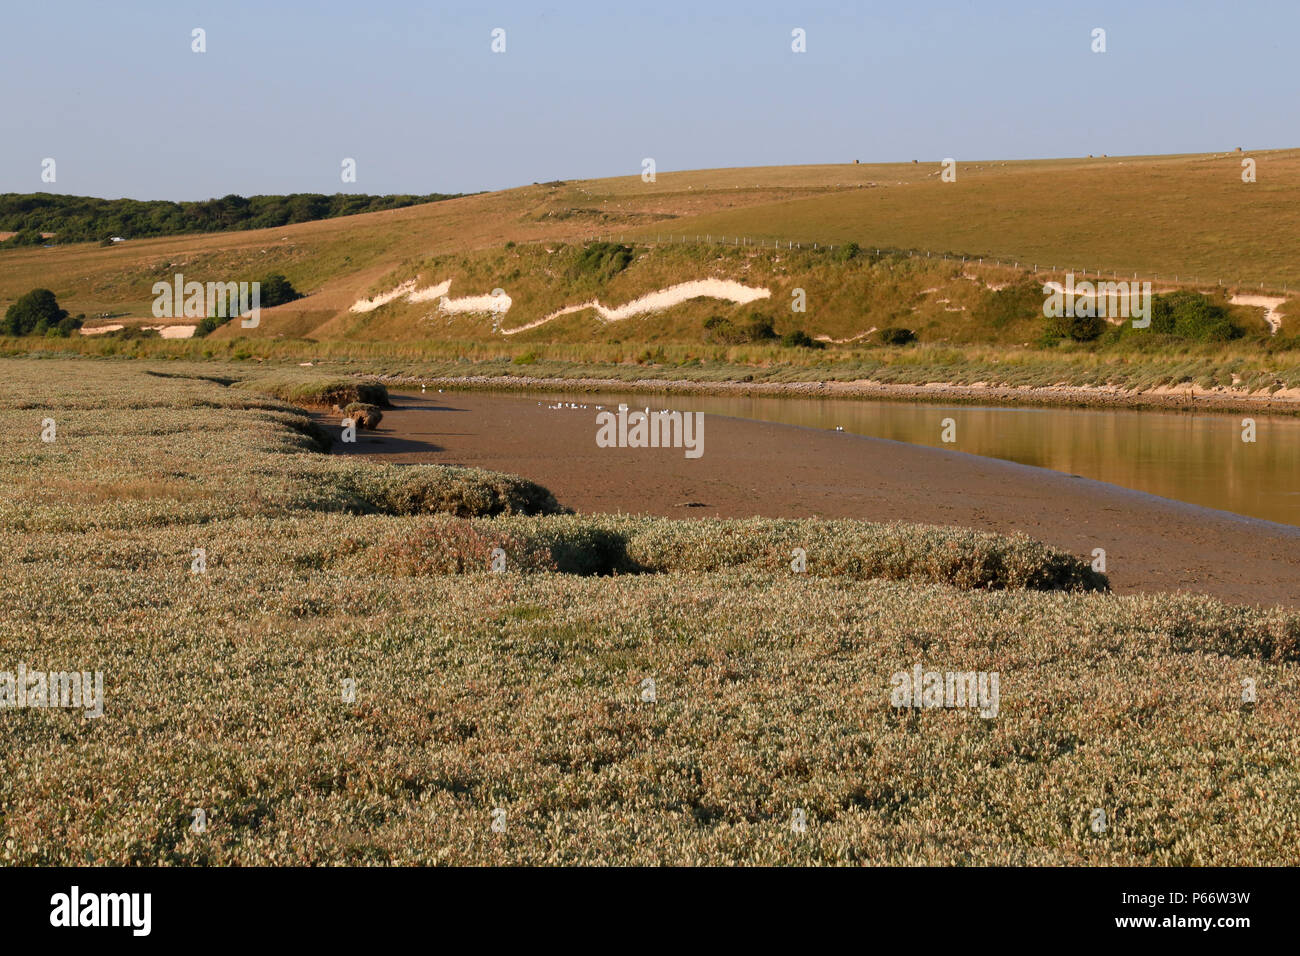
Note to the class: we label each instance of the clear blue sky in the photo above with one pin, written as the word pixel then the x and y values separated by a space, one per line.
pixel 412 91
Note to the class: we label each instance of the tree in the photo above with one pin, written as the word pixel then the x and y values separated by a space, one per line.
pixel 25 237
pixel 276 290
pixel 36 312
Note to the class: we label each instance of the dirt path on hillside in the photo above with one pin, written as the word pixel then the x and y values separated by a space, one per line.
pixel 761 468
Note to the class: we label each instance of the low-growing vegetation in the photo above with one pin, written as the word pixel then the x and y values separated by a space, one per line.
pixel 364 415
pixel 344 678
pixel 313 390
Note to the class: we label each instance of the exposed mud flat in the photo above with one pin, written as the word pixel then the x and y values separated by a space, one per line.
pixel 759 468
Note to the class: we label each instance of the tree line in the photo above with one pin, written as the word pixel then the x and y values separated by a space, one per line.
pixel 87 219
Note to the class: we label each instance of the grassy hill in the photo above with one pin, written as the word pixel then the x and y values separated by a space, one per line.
pixel 1189 216
pixel 1180 221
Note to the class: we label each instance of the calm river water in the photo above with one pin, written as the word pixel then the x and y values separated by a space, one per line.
pixel 1189 456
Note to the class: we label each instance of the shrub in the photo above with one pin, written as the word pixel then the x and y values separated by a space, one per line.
pixel 275 290
pixel 720 331
pixel 723 331
pixel 24 237
pixel 1020 302
pixel 848 252
pixel 132 333
pixel 33 314
pixel 800 339
pixel 364 414
pixel 1079 328
pixel 603 259
pixel 1190 315
pixel 897 336
pixel 65 326
pixel 760 328
pixel 209 325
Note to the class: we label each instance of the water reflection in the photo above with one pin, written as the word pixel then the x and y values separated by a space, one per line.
pixel 1194 457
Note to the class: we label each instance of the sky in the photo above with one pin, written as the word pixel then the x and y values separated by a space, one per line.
pixel 414 94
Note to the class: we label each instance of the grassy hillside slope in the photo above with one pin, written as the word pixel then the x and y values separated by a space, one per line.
pixel 1164 215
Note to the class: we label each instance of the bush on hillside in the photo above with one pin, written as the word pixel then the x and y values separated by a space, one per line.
pixel 37 313
pixel 275 290
pixel 1020 302
pixel 723 331
pixel 65 326
pixel 209 325
pixel 1077 328
pixel 760 328
pixel 1190 315
pixel 132 333
pixel 603 260
pixel 897 336
pixel 801 340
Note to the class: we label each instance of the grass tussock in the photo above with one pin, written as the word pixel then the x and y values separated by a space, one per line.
pixel 371 488
pixel 317 391
pixel 364 414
